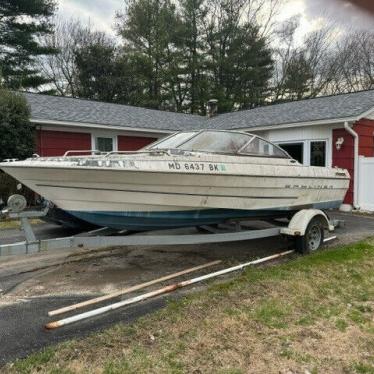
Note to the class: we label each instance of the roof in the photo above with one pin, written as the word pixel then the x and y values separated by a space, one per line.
pixel 327 108
pixel 80 111
pixel 67 109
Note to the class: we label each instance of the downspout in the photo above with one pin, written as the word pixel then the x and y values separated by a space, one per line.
pixel 356 166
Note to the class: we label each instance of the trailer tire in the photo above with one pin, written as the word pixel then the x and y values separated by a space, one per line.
pixel 313 237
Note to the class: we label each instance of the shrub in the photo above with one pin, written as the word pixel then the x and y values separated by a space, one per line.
pixel 17 136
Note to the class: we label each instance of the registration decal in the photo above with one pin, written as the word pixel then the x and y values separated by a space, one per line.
pixel 196 166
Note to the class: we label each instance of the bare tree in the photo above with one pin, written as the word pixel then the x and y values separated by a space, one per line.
pixel 264 14
pixel 319 51
pixel 354 63
pixel 282 55
pixel 305 70
pixel 68 37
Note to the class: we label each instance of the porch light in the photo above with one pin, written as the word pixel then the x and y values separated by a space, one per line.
pixel 339 142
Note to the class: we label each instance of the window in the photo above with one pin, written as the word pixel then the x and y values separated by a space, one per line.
pixel 261 147
pixel 318 153
pixel 295 150
pixel 103 144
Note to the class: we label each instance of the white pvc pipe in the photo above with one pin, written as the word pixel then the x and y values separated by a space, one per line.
pixel 130 289
pixel 170 288
pixel 356 166
pixel 329 239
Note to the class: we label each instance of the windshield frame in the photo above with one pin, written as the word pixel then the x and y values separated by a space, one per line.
pixel 286 155
pixel 239 152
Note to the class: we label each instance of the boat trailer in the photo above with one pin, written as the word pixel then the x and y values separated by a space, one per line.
pixel 308 238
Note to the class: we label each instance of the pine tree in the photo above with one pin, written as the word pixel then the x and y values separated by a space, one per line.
pixel 21 22
pixel 107 73
pixel 193 14
pixel 96 71
pixel 298 77
pixel 149 29
pixel 239 60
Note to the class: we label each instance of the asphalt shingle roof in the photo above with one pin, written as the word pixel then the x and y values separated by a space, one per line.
pixel 308 110
pixel 58 108
pixel 45 107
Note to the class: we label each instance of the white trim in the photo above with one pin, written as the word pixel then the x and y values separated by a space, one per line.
pixel 97 126
pixel 299 124
pixel 100 134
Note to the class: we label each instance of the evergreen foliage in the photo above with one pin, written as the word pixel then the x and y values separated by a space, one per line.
pixel 17 133
pixel 22 22
pixel 187 53
pixel 298 76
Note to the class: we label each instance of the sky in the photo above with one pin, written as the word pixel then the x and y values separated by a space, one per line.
pixel 99 13
pixel 313 14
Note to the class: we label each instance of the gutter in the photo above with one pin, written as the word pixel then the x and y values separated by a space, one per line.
pixel 336 121
pixel 356 165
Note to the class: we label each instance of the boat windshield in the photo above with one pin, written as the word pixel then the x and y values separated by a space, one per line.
pixel 228 142
pixel 216 141
pixel 173 141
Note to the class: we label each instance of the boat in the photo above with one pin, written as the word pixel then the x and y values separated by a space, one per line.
pixel 190 178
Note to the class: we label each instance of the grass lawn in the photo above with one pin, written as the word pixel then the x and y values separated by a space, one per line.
pixel 313 314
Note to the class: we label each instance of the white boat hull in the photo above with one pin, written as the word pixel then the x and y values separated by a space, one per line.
pixel 196 190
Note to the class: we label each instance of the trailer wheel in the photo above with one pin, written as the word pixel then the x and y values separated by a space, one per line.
pixel 313 238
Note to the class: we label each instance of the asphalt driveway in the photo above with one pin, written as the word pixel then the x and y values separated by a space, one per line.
pixel 32 285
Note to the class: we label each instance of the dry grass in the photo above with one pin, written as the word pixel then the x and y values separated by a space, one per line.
pixel 16 224
pixel 311 315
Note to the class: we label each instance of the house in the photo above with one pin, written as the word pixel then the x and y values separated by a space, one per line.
pixel 324 131
pixel 64 123
pixel 333 130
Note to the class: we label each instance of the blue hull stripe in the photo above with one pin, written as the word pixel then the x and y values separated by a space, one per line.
pixel 173 219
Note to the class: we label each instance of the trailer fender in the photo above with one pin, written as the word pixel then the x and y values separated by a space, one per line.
pixel 301 219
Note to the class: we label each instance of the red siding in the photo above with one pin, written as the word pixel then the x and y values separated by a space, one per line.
pixel 344 157
pixel 365 131
pixel 56 143
pixel 133 143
